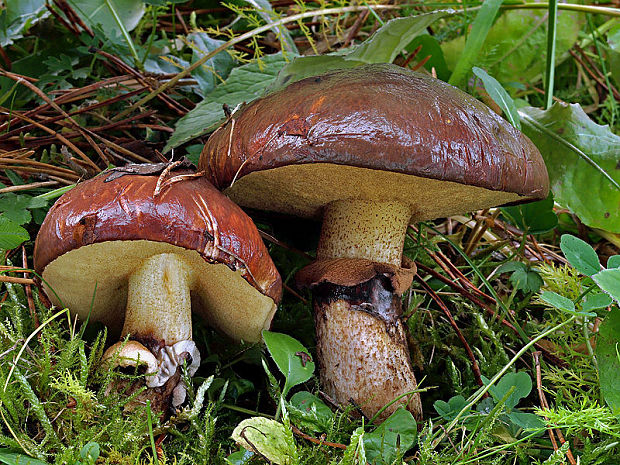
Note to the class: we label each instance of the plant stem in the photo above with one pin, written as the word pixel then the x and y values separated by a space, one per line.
pixel 483 390
pixel 552 20
pixel 126 35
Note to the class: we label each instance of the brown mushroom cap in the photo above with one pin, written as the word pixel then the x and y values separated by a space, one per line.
pixel 99 232
pixel 377 132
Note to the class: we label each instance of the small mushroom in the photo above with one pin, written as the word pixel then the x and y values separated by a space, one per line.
pixel 112 251
pixel 369 150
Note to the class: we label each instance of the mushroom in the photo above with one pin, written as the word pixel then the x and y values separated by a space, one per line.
pixel 112 251
pixel 369 150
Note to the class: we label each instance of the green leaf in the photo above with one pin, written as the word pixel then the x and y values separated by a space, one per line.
pixel 303 67
pixel 18 16
pixel 526 420
pixel 394 36
pixel 291 357
pixel 521 382
pixel 13 458
pixel 15 206
pixel 430 47
pixel 265 437
pixel 98 13
pixel 382 47
pixel 90 452
pixel 475 40
pixel 582 161
pixel 613 40
pixel 391 439
pixel 244 84
pixel 499 96
pixel 580 255
pixel 607 350
pixel 241 457
pixel 562 303
pixel 558 301
pixel 534 217
pixel 449 410
pixel 522 277
pixel 596 301
pixel 309 412
pixel 613 261
pixel 11 234
pixel 217 68
pixel 609 282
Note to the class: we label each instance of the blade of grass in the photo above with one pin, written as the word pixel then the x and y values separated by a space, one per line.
pixel 601 61
pixel 124 32
pixel 552 21
pixel 480 28
pixel 152 439
pixel 535 124
pixel 500 96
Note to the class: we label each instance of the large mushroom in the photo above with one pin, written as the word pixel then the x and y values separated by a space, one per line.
pixel 139 255
pixel 369 150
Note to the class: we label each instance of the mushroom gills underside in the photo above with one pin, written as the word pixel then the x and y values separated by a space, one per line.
pixel 96 275
pixel 303 190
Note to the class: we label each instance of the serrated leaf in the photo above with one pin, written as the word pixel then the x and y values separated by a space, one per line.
pixel 217 68
pixel 607 349
pixel 499 96
pixel 11 234
pixel 392 438
pixel 580 255
pixel 13 458
pixel 609 282
pixel 522 277
pixel 244 84
pixel 265 437
pixel 582 159
pixel 291 357
pixel 534 217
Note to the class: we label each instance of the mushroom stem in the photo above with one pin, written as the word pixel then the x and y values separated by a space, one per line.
pixel 364 229
pixel 160 286
pixel 361 340
pixel 158 316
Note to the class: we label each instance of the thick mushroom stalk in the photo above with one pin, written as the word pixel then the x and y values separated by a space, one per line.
pixel 159 286
pixel 361 340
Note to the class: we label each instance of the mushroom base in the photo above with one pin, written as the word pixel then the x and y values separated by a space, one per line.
pixel 371 366
pixel 162 370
